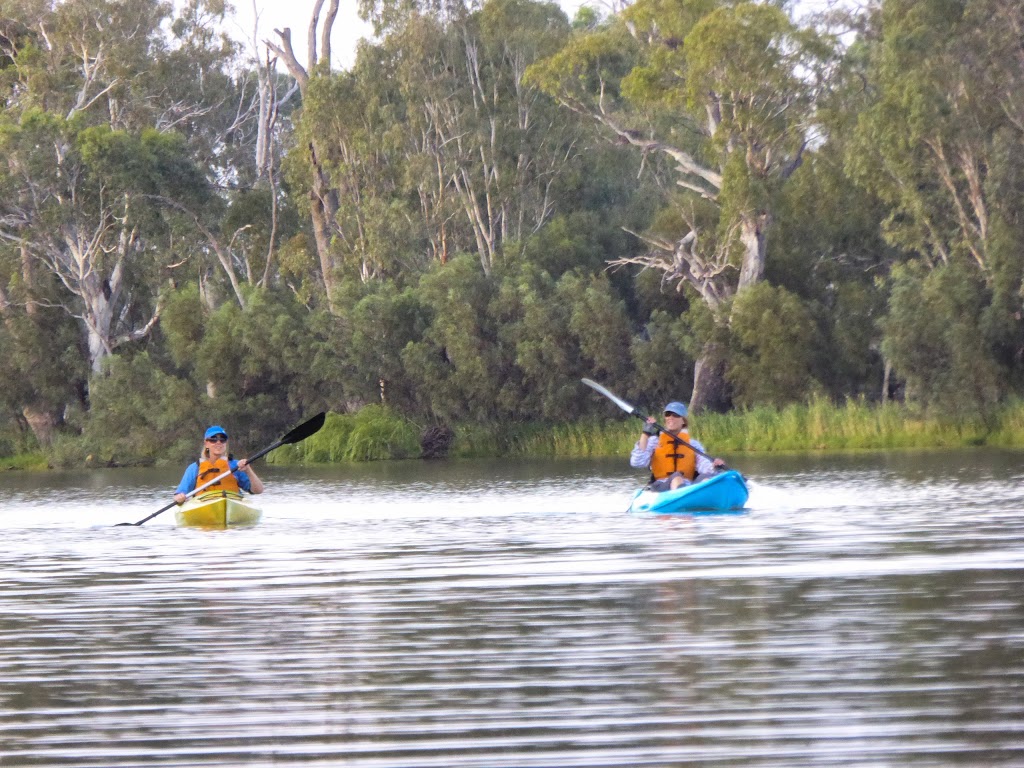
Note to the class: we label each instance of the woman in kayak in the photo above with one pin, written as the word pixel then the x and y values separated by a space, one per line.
pixel 213 461
pixel 672 464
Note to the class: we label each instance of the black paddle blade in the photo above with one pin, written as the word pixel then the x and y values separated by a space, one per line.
pixel 305 429
pixel 300 433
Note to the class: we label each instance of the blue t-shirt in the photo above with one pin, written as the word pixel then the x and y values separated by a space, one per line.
pixel 191 476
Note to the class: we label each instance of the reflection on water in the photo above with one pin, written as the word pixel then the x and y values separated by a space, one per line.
pixel 865 610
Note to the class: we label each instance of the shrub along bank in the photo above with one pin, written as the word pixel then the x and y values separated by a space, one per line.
pixel 378 433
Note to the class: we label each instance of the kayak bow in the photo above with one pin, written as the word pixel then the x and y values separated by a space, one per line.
pixel 723 492
pixel 221 509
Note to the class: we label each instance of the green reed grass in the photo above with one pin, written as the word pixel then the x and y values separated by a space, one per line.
pixel 589 438
pixel 377 432
pixel 1009 432
pixel 33 461
pixel 374 433
pixel 853 425
pixel 585 438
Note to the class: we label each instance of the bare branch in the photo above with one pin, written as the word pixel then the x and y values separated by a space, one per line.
pixel 710 181
pixel 287 54
pixel 311 36
pixel 223 254
pixel 325 35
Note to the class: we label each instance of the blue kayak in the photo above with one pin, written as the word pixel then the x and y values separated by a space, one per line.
pixel 720 493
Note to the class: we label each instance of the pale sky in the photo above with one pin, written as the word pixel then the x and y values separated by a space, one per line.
pixel 348 28
pixel 276 14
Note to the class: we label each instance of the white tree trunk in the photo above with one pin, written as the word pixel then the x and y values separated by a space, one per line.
pixel 754 236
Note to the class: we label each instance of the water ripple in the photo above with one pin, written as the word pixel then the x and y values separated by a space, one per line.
pixel 866 613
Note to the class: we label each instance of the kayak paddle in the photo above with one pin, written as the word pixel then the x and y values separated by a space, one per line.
pixel 298 434
pixel 632 411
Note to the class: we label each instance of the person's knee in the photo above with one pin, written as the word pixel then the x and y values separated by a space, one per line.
pixel 677 480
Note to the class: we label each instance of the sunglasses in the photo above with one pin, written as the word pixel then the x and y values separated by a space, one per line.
pixel 217 439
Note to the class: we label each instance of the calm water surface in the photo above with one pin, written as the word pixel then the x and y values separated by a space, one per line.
pixel 864 611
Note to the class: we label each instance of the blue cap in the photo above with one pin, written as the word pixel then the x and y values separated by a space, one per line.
pixel 214 430
pixel 679 409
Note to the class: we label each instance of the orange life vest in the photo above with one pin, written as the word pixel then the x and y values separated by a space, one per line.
pixel 210 469
pixel 671 456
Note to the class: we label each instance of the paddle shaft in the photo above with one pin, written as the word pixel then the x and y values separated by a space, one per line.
pixel 191 493
pixel 300 432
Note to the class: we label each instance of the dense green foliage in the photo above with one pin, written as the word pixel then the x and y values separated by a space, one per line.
pixel 693 199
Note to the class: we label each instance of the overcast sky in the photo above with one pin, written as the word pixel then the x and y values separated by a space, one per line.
pixel 348 28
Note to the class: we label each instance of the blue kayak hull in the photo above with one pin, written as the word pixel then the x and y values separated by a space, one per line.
pixel 724 492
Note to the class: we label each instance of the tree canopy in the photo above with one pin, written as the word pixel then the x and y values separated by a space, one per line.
pixel 706 200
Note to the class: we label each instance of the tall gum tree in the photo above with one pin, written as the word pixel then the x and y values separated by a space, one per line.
pixel 74 70
pixel 941 143
pixel 106 105
pixel 949 79
pixel 357 121
pixel 435 142
pixel 322 192
pixel 501 143
pixel 81 207
pixel 726 92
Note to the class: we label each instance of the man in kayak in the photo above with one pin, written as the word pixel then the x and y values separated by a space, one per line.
pixel 214 461
pixel 672 464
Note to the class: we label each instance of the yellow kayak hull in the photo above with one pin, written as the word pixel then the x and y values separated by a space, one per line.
pixel 217 510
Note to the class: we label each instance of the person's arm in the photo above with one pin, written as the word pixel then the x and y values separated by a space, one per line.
pixel 705 466
pixel 188 482
pixel 641 454
pixel 248 480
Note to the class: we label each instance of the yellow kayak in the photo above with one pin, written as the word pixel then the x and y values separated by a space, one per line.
pixel 218 509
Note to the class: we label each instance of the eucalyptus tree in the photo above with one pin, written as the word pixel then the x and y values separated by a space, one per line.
pixel 942 144
pixel 124 129
pixel 313 179
pixel 434 143
pixel 501 143
pixel 947 77
pixel 726 92
pixel 102 127
pixel 45 371
pixel 357 120
pixel 78 201
pixel 240 110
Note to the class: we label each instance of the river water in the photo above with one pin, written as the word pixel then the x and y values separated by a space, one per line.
pixel 865 610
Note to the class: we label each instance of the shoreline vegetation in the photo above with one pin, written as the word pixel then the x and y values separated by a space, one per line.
pixel 378 433
pixel 375 433
pixel 524 199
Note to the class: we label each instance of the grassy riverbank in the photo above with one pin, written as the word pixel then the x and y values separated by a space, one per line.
pixel 35 460
pixel 377 433
pixel 855 425
pixel 818 426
